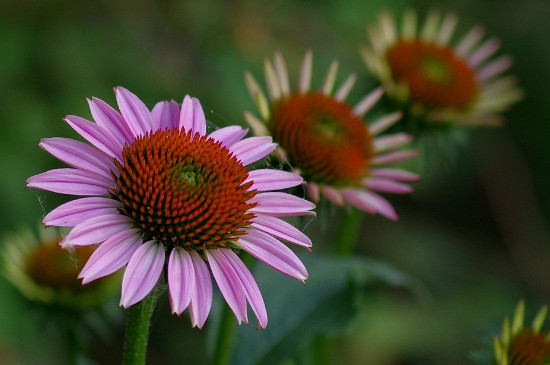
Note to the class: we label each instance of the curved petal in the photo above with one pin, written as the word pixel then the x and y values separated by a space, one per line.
pixel 281 205
pixel 274 253
pixel 142 273
pixel 201 299
pixel 192 116
pixel 181 279
pixel 134 111
pixel 386 185
pixel 96 230
pixel 252 291
pixel 333 195
pixel 281 229
pixel 229 284
pixel 166 114
pixel 228 136
pixel 96 135
pixel 79 155
pixel 313 191
pixel 111 255
pixel 395 174
pixel 107 117
pixel 75 211
pixel 369 202
pixel 71 182
pixel 252 149
pixel 269 179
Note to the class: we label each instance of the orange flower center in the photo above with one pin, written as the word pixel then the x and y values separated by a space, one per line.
pixel 183 190
pixel 529 348
pixel 434 74
pixel 322 137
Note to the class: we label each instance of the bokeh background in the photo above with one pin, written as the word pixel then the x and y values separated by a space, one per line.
pixel 475 231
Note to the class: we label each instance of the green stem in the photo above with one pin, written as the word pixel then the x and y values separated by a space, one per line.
pixel 346 235
pixel 137 330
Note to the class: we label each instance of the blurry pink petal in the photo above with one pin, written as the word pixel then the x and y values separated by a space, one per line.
pixel 166 114
pixel 201 299
pixel 96 230
pixel 142 273
pixel 273 253
pixel 395 174
pixel 111 255
pixel 385 185
pixel 269 179
pixel 181 279
pixel 192 116
pixel 252 291
pixel 281 205
pixel 392 157
pixel 228 136
pixel 134 112
pixel 229 284
pixel 483 52
pixel 252 149
pixel 111 120
pixel 79 155
pixel 281 229
pixel 75 211
pixel 391 141
pixel 369 202
pixel 313 191
pixel 332 194
pixel 96 135
pixel 71 182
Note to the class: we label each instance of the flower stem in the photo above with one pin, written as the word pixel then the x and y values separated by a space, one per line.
pixel 137 330
pixel 224 337
pixel 346 236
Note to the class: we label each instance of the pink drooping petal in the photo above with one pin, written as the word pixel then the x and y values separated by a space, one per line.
pixel 391 141
pixel 395 174
pixel 142 273
pixel 79 155
pixel 71 182
pixel 228 136
pixel 75 211
pixel 281 205
pixel 369 202
pixel 273 253
pixel 96 135
pixel 332 194
pixel 111 255
pixel 386 185
pixel 393 157
pixel 483 52
pixel 281 229
pixel 252 291
pixel 269 179
pixel 313 191
pixel 229 284
pixel 181 280
pixel 201 299
pixel 134 111
pixel 252 149
pixel 192 116
pixel 166 114
pixel 96 230
pixel 111 120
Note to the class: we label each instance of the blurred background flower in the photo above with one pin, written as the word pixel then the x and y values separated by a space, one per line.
pixel 475 230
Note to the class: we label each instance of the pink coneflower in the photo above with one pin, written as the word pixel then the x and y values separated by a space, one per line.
pixel 162 194
pixel 327 142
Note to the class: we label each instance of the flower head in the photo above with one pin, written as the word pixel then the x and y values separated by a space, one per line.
pixel 326 141
pixel 519 345
pixel 443 82
pixel 160 194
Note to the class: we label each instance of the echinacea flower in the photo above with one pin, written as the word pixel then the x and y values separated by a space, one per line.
pixel 326 141
pixel 435 78
pixel 160 194
pixel 45 273
pixel 521 345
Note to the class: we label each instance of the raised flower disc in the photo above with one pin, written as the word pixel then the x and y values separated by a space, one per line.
pixel 326 141
pixel 420 67
pixel 160 194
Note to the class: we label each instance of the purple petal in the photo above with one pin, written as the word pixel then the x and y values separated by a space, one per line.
pixel 313 191
pixel 228 136
pixel 281 205
pixel 393 157
pixel 229 284
pixel 252 149
pixel 281 229
pixel 135 113
pixel 96 135
pixel 111 255
pixel 274 253
pixel 201 300
pixel 71 182
pixel 252 291
pixel 333 195
pixel 192 116
pixel 386 185
pixel 79 155
pixel 75 211
pixel 142 273
pixel 395 174
pixel 107 117
pixel 269 179
pixel 96 230
pixel 166 114
pixel 369 202
pixel 181 279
